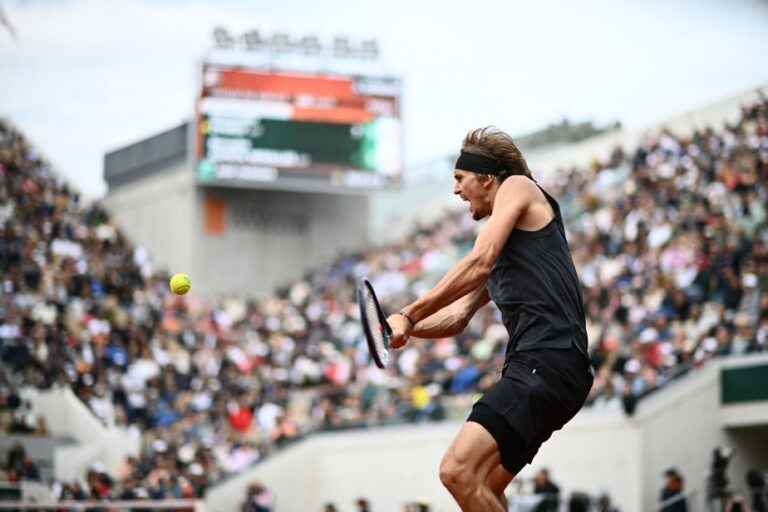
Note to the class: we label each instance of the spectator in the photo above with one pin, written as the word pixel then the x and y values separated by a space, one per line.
pixel 258 499
pixel 416 507
pixel 579 502
pixel 362 505
pixel 672 494
pixel 604 504
pixel 755 480
pixel 543 485
pixel 99 482
pixel 737 504
pixel 19 465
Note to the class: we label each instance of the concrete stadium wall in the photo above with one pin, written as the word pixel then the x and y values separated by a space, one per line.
pixel 158 212
pixel 66 416
pixel 397 464
pixel 268 238
pixel 272 237
pixel 597 452
pixel 748 437
pixel 684 423
pixel 680 427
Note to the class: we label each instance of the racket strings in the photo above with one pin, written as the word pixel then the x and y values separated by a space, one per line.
pixel 373 320
pixel 376 327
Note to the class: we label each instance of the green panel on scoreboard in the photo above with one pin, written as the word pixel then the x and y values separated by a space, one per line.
pixel 324 143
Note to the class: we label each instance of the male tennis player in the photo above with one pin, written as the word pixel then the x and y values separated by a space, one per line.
pixel 522 262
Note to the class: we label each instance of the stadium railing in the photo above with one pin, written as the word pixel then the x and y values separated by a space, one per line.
pixel 24 490
pixel 110 506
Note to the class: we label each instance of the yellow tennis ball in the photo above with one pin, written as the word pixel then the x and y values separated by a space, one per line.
pixel 180 284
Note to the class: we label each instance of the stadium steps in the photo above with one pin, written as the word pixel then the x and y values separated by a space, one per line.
pixel 90 441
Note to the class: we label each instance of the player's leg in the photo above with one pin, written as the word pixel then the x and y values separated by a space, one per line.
pixel 498 480
pixel 466 466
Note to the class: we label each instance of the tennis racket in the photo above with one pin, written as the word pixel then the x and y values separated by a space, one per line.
pixel 377 331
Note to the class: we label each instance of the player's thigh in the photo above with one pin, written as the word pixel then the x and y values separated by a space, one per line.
pixel 474 450
pixel 498 479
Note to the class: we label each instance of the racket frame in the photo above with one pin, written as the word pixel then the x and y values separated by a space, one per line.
pixel 384 325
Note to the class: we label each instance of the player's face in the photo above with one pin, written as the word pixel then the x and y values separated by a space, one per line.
pixel 473 188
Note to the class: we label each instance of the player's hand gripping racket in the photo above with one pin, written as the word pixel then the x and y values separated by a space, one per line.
pixel 377 331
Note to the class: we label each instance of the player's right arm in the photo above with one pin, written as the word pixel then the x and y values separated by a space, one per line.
pixel 452 319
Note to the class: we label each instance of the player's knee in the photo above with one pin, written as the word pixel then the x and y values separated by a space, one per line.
pixel 458 478
pixel 446 476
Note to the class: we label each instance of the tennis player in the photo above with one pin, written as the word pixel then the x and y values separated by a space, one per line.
pixel 522 262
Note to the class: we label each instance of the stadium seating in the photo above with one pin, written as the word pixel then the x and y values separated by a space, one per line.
pixel 669 239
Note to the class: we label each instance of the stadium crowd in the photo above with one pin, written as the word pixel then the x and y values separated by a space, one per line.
pixel 669 240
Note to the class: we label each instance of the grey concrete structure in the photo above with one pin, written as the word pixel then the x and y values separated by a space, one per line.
pixel 260 239
pixel 599 451
pixel 40 449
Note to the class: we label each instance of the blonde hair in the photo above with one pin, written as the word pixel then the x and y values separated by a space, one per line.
pixel 491 142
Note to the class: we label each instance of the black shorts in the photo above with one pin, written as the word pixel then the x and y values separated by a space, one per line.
pixel 538 393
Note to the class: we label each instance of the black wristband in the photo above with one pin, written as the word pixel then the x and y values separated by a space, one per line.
pixel 410 320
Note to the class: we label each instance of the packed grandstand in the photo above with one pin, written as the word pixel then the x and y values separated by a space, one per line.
pixel 669 240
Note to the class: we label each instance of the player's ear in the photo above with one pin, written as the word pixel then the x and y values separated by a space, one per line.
pixel 486 180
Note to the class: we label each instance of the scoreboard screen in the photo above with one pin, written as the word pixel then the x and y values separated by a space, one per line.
pixel 310 131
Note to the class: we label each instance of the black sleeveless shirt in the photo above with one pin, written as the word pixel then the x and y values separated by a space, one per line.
pixel 535 286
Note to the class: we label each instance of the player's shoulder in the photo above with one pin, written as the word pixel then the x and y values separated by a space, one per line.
pixel 518 180
pixel 520 186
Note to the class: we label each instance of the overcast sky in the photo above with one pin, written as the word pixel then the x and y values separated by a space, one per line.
pixel 86 76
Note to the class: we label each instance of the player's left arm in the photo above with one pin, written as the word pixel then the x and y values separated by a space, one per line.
pixel 512 199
